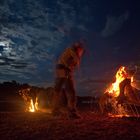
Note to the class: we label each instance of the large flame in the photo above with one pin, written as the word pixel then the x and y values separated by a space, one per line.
pixel 119 110
pixel 121 74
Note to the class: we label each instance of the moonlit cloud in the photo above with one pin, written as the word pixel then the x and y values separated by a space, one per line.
pixel 30 34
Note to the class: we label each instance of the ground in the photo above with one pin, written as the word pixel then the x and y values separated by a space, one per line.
pixel 21 125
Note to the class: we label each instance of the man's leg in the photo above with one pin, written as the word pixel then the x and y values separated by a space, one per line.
pixel 56 99
pixel 71 97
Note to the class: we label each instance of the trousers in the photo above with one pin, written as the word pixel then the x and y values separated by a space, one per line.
pixel 66 84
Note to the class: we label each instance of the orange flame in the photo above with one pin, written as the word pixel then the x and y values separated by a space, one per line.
pixel 33 107
pixel 120 76
pixel 30 105
pixel 119 109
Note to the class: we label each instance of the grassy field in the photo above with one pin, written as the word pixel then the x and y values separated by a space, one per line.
pixel 43 126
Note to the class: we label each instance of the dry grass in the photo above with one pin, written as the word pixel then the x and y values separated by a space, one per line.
pixel 20 125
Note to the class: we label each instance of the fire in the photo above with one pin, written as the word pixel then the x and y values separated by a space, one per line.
pixel 31 101
pixel 120 108
pixel 31 105
pixel 120 76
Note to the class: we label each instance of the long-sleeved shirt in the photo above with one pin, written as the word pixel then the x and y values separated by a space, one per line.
pixel 70 61
pixel 69 58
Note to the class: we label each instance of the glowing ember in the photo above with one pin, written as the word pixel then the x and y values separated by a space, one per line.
pixel 118 115
pixel 120 76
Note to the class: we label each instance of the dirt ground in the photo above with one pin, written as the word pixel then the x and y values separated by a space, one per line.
pixel 43 126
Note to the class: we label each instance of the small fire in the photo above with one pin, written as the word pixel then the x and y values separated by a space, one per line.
pixel 33 107
pixel 30 104
pixel 32 101
pixel 120 76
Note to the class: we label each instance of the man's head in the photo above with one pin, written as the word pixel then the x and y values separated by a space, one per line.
pixel 78 47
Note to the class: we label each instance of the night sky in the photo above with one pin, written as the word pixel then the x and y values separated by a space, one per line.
pixel 33 33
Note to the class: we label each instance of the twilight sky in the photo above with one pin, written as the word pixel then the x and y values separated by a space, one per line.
pixel 34 32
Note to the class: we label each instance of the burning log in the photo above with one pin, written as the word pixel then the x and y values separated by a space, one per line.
pixel 125 83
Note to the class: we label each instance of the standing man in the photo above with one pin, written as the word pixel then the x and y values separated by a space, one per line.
pixel 66 65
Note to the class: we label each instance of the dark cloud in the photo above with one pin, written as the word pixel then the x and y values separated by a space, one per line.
pixel 114 24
